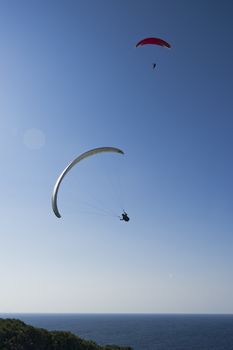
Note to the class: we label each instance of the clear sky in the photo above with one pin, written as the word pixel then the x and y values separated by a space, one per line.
pixel 71 79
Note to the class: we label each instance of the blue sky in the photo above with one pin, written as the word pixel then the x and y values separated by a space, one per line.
pixel 72 80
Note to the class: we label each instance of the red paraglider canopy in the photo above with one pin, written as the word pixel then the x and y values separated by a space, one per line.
pixel 153 41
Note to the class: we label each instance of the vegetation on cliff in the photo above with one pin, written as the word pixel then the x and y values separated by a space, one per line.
pixel 16 335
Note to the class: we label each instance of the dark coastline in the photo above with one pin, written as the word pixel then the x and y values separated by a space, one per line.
pixel 16 335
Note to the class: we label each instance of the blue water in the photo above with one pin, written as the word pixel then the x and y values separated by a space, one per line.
pixel 143 331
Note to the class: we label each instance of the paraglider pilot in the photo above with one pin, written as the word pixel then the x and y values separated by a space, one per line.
pixel 124 216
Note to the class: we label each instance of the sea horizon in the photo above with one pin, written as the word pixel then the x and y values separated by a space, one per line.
pixel 117 313
pixel 141 331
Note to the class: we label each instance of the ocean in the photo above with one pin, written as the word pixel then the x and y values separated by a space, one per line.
pixel 142 331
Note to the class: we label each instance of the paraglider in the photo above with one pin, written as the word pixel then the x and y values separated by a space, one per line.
pixel 71 165
pixel 153 41
pixel 124 216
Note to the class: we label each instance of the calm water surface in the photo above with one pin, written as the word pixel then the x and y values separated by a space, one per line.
pixel 143 331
